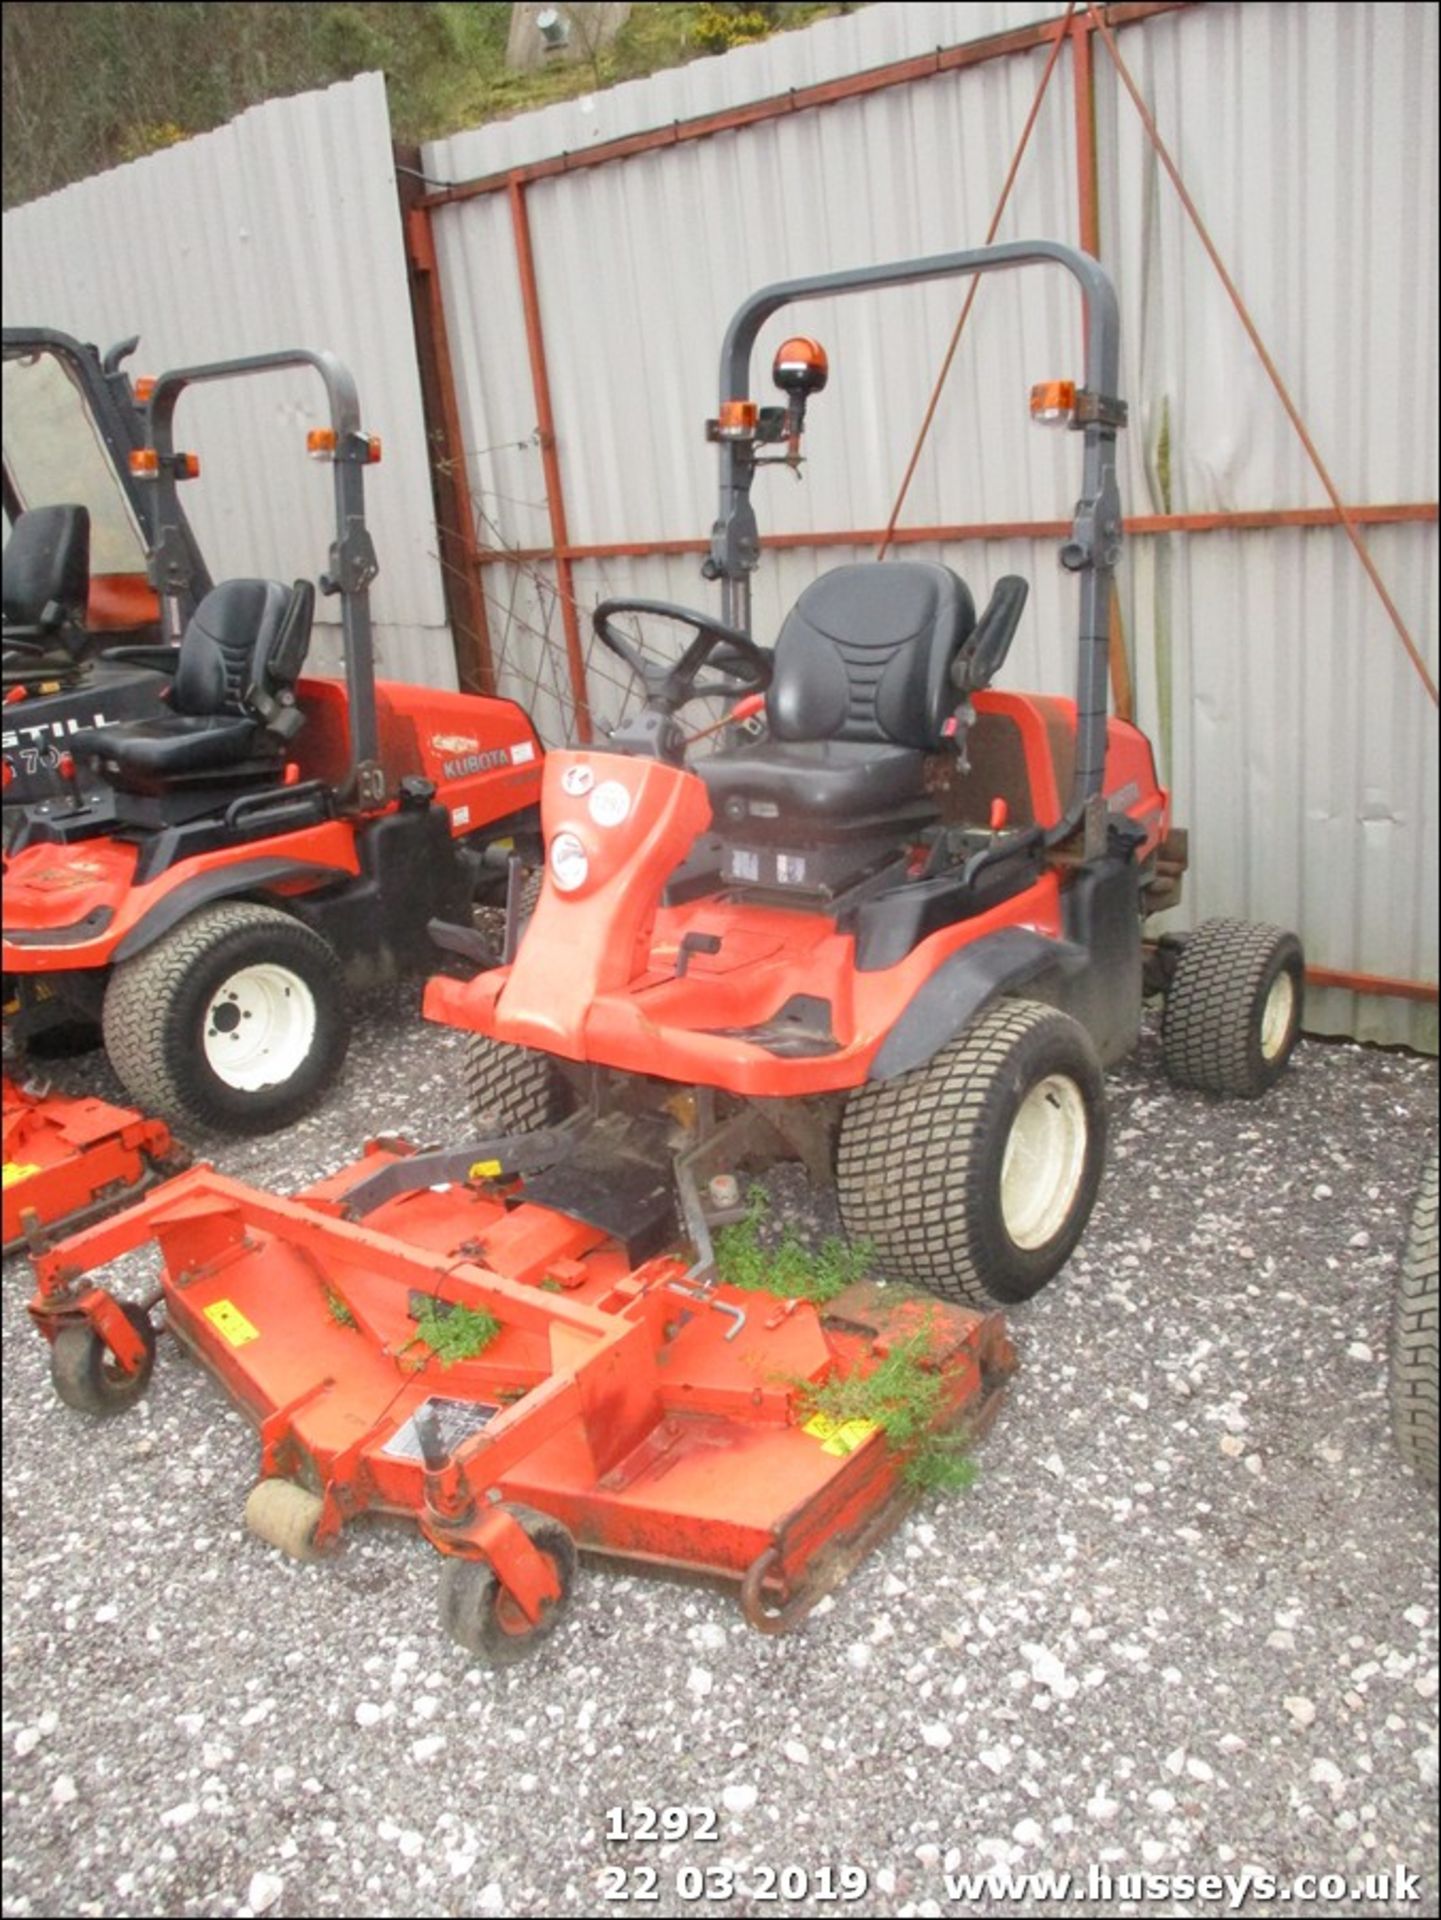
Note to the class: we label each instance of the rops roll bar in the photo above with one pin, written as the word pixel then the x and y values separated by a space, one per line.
pixel 1095 541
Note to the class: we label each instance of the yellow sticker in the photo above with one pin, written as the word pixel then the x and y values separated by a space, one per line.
pixel 16 1171
pixel 231 1323
pixel 839 1437
pixel 485 1170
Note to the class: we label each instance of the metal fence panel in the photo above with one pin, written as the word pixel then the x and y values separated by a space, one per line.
pixel 280 229
pixel 1298 741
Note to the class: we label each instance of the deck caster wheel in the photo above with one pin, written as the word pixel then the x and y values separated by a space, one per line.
pixel 1233 1008
pixel 285 1515
pixel 88 1377
pixel 478 1612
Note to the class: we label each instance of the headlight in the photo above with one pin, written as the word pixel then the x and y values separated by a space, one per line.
pixel 569 862
pixel 609 804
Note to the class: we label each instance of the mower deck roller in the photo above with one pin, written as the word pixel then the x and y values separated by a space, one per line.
pixel 615 1407
pixel 67 1160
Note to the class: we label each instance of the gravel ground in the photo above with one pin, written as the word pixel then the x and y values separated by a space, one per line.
pixel 1184 1623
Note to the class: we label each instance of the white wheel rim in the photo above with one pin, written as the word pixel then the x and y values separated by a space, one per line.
pixel 1278 1014
pixel 259 1028
pixel 1044 1162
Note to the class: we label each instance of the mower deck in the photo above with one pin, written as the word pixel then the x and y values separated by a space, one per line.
pixel 656 1420
pixel 69 1160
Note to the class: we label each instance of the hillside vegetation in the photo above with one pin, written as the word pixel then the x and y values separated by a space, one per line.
pixel 87 86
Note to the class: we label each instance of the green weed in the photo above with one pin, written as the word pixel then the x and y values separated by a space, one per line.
pixel 904 1398
pixel 454 1333
pixel 339 1312
pixel 749 1257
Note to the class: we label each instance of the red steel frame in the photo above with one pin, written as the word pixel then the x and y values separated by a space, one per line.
pixel 1076 26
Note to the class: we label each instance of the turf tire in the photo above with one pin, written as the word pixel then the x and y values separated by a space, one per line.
pixel 156 1008
pixel 1413 1337
pixel 512 1089
pixel 920 1158
pixel 1214 1025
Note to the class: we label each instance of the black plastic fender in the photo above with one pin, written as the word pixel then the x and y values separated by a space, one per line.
pixel 244 877
pixel 957 991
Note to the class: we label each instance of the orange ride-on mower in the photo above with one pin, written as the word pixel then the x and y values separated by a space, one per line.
pixel 917 905
pixel 84 644
pixel 265 841
pixel 896 940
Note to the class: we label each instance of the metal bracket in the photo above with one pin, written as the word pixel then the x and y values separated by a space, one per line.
pixel 504 1154
pixel 1096 533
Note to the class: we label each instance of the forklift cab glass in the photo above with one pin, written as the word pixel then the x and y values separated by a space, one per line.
pixel 55 456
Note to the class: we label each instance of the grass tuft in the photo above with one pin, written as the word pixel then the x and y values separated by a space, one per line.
pixel 904 1398
pixel 759 1259
pixel 454 1333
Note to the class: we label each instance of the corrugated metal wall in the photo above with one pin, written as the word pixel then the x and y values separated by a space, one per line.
pixel 1298 739
pixel 281 229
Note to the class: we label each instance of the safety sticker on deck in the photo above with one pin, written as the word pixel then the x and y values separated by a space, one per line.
pixel 485 1170
pixel 445 1424
pixel 16 1171
pixel 231 1323
pixel 839 1436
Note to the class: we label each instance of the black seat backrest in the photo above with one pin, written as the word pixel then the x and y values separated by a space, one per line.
pixel 245 642
pixel 865 654
pixel 47 569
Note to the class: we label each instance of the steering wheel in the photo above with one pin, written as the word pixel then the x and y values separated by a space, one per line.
pixel 743 667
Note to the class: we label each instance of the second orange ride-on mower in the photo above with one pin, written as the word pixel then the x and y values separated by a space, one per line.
pixel 916 906
pixel 897 939
pixel 264 841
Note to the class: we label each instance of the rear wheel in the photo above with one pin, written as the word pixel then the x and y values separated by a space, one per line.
pixel 236 1019
pixel 1233 1008
pixel 513 1089
pixel 483 1617
pixel 974 1176
pixel 1414 1337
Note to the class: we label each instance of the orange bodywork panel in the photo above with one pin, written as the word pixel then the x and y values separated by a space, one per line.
pixel 599 974
pixel 120 603
pixel 61 889
pixel 483 755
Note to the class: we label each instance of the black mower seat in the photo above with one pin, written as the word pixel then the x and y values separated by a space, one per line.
pixel 47 581
pixel 860 696
pixel 786 778
pixel 232 699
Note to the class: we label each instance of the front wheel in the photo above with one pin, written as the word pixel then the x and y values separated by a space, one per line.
pixel 974 1175
pixel 236 1019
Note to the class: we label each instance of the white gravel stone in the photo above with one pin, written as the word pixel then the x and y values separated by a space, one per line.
pixel 64 1790
pixel 1029 1833
pixel 996 1759
pixel 368 1714
pixel 937 1734
pixel 797 1752
pixel 699 1681
pixel 739 1797
pixel 1325 1773
pixel 263 1892
pixel 1301 1710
